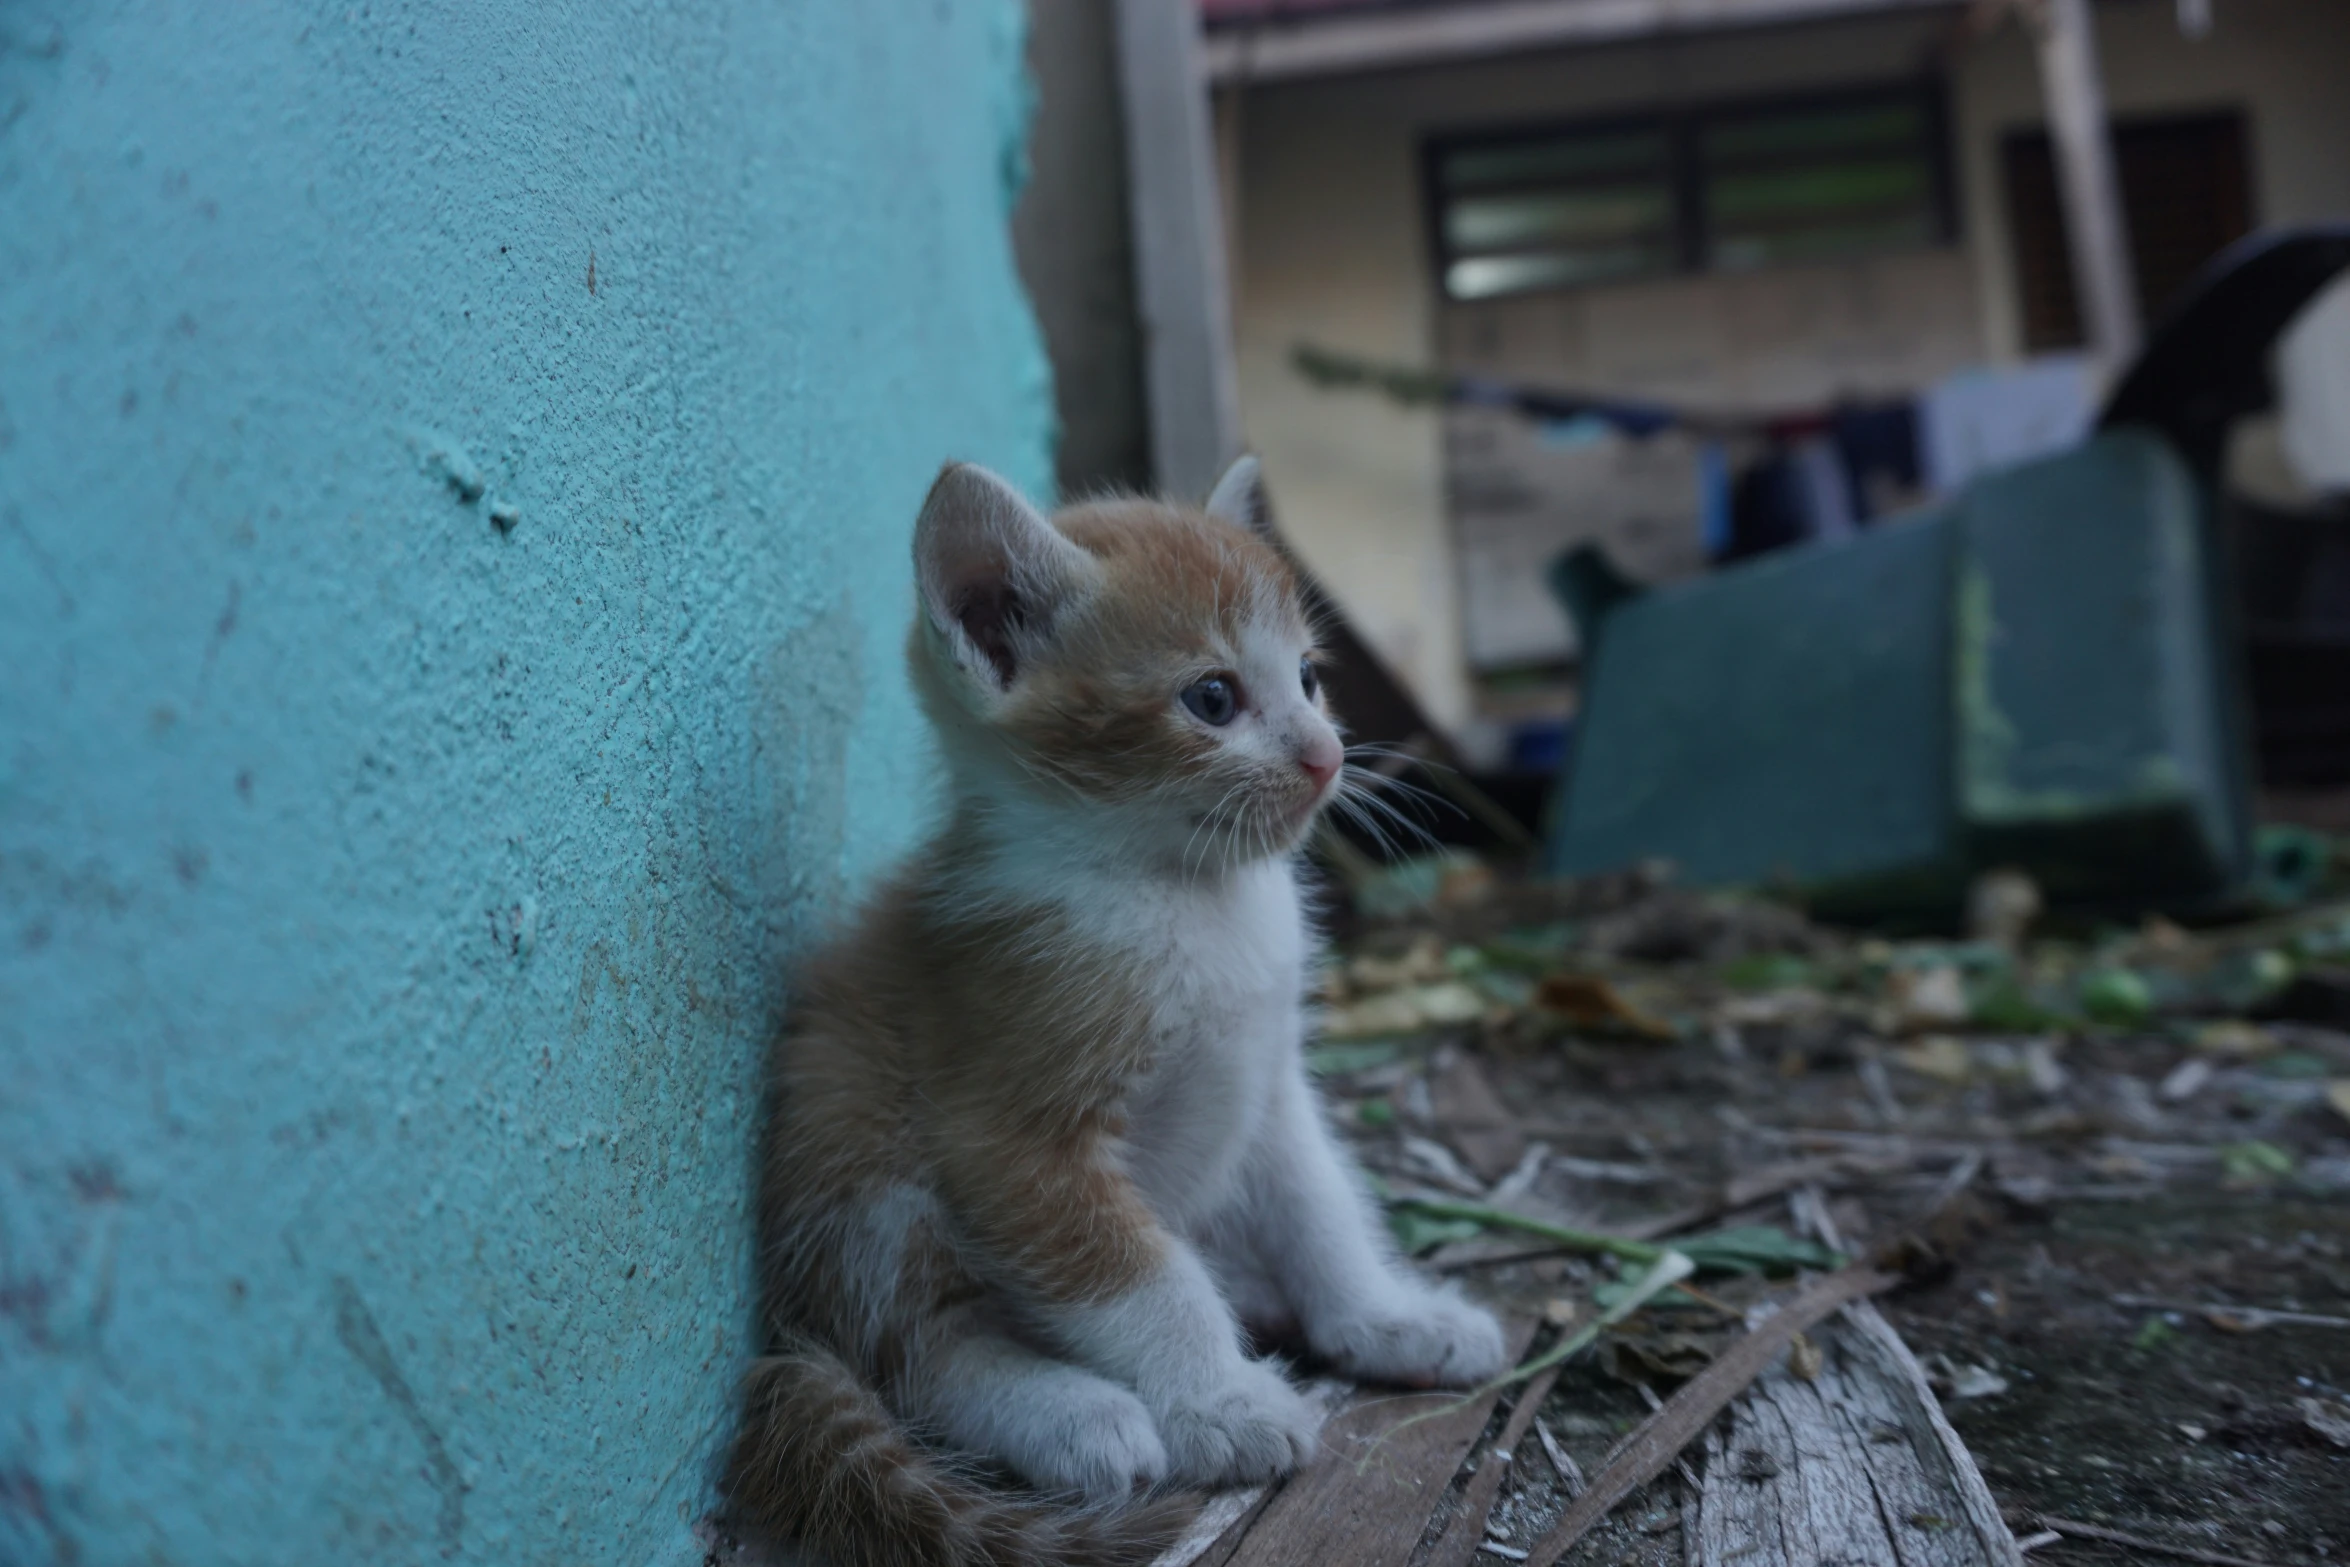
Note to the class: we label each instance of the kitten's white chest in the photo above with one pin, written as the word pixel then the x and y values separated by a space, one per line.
pixel 1224 967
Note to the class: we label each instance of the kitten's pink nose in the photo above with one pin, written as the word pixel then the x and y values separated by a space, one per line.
pixel 1321 759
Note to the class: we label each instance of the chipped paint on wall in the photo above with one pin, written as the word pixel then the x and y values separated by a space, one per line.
pixel 456 463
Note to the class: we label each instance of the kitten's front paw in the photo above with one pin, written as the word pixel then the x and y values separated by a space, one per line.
pixel 1423 1339
pixel 1250 1429
pixel 1098 1441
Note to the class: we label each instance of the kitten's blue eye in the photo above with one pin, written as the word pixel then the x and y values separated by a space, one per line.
pixel 1215 700
pixel 1308 678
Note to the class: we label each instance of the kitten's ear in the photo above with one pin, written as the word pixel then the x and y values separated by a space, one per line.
pixel 993 573
pixel 1239 497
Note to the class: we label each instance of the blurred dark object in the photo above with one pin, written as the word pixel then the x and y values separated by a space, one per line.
pixel 1539 748
pixel 2205 364
pixel 2044 671
pixel 2292 866
pixel 2294 571
pixel 2205 367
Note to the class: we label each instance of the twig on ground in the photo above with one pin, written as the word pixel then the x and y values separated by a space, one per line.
pixel 1879 1086
pixel 1659 1439
pixel 1731 1249
pixel 2138 1542
pixel 1962 1175
pixel 1777 1180
pixel 1890 1145
pixel 1557 1234
pixel 1441 1165
pixel 2032 1542
pixel 1521 1180
pixel 1606 1170
pixel 1648 1396
pixel 1570 1473
pixel 1500 1259
pixel 2221 1315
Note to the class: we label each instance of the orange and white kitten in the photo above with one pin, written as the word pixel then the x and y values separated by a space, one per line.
pixel 1043 1138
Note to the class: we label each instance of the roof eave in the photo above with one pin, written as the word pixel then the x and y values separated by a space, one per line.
pixel 1347 42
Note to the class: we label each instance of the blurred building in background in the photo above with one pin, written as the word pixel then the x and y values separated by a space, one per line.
pixel 1791 247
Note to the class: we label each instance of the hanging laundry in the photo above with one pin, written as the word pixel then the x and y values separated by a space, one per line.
pixel 1766 509
pixel 1543 406
pixel 1714 524
pixel 1795 492
pixel 1878 443
pixel 1979 420
pixel 1822 490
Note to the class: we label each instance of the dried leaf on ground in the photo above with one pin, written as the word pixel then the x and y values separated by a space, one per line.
pixel 1588 1001
pixel 1918 1000
pixel 1489 1139
pixel 1942 1057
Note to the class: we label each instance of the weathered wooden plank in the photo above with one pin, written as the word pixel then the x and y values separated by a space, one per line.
pixel 1216 1538
pixel 1659 1439
pixel 1856 1465
pixel 1330 1512
pixel 1457 1546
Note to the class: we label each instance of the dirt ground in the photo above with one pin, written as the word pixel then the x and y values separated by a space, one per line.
pixel 2114 1165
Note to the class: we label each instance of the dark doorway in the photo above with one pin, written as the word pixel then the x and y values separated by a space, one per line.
pixel 2186 195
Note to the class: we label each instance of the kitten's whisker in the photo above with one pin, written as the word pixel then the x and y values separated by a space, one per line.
pixel 1371 797
pixel 1368 802
pixel 1353 811
pixel 1401 754
pixel 1204 822
pixel 1372 780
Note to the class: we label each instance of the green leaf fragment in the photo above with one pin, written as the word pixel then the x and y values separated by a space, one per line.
pixel 1756 1248
pixel 2117 996
pixel 1416 1232
pixel 1611 1293
pixel 2255 1161
pixel 1337 1060
pixel 2001 1003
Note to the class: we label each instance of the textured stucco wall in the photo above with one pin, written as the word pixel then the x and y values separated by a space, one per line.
pixel 389 903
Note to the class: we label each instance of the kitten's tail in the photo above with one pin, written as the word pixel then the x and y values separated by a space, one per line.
pixel 821 1461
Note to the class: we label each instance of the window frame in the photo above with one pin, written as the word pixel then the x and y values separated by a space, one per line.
pixel 1692 247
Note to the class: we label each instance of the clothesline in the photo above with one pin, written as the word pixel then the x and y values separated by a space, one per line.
pixel 1807 472
pixel 1549 405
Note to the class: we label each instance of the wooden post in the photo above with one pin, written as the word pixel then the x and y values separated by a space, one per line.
pixel 2093 221
pixel 1180 285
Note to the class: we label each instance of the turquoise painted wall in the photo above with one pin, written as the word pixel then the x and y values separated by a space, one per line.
pixel 391 899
